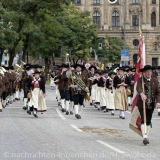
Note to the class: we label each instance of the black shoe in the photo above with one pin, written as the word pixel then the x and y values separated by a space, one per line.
pixel 91 104
pixel 145 141
pixel 123 117
pixel 98 109
pixel 77 116
pixel 16 99
pixel 0 110
pixel 7 104
pixel 63 110
pixel 71 112
pixel 29 112
pixel 25 108
pixel 159 113
pixel 67 112
pixel 3 106
pixel 35 115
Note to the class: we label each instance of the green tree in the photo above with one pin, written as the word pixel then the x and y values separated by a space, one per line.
pixel 18 13
pixel 78 32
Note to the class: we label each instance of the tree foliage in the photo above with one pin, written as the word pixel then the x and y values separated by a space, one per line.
pixel 41 27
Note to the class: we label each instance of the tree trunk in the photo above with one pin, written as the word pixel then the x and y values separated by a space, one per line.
pixel 11 56
pixel 46 65
pixel 1 54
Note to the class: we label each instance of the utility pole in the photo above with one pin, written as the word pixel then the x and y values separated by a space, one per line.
pixel 124 30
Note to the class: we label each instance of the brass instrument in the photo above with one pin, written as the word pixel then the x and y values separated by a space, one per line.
pixel 78 81
pixel 18 70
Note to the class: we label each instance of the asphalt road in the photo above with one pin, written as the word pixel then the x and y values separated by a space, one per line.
pixel 56 136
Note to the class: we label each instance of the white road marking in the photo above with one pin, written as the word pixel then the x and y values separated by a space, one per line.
pixel 76 128
pixel 128 112
pixel 111 147
pixel 60 114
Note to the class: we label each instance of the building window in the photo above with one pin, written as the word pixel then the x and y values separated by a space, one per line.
pixel 115 19
pixel 153 1
pixel 153 19
pixel 77 1
pixel 96 18
pixel 135 20
pixel 135 58
pixel 135 42
pixel 155 47
pixel 96 1
pixel 154 62
pixel 5 62
pixel 135 1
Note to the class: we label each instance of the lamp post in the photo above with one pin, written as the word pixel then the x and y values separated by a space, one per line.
pixel 124 30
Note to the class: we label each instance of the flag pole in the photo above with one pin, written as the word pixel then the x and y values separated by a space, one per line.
pixel 144 104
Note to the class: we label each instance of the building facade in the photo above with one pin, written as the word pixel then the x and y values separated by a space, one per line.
pixel 110 19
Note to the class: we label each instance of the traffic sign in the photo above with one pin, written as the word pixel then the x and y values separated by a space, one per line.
pixel 124 53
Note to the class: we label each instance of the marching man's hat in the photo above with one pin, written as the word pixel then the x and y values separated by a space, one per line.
pixel 147 67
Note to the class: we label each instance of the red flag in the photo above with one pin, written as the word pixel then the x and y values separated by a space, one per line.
pixel 135 116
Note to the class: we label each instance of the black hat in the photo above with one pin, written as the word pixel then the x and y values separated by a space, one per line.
pixel 110 73
pixel 32 66
pixel 28 68
pixel 147 67
pixel 106 71
pixel 26 65
pixel 92 67
pixel 11 68
pixel 101 73
pixel 79 65
pixel 133 69
pixel 125 67
pixel 37 72
pixel 158 67
pixel 38 66
pixel 120 68
pixel 63 66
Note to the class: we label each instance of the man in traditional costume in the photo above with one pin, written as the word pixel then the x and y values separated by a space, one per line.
pixel 77 92
pixel 6 86
pixel 157 75
pixel 92 87
pixel 110 93
pixel 2 87
pixel 121 83
pixel 132 72
pixel 151 96
pixel 37 86
pixel 25 79
pixel 62 85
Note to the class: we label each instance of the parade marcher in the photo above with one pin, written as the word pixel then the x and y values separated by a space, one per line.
pixel 121 82
pixel 37 86
pixel 97 89
pixel 12 84
pixel 2 87
pixel 132 72
pixel 6 87
pixel 67 91
pixel 156 74
pixel 151 96
pixel 92 88
pixel 102 90
pixel 61 85
pixel 52 83
pixel 25 80
pixel 77 92
pixel 110 94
